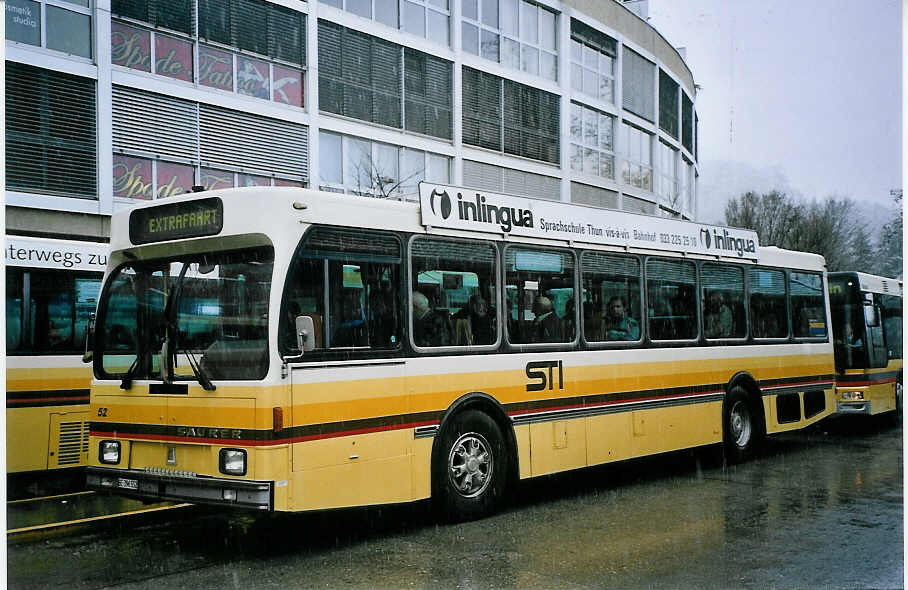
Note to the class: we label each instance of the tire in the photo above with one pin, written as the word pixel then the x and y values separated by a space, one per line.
pixel 470 468
pixel 742 427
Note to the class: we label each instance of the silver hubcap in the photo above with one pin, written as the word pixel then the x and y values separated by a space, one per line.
pixel 470 465
pixel 739 420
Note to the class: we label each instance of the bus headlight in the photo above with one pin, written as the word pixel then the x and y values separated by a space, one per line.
pixel 109 452
pixel 233 461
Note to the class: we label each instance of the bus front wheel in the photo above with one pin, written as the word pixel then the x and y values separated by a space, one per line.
pixel 742 430
pixel 470 470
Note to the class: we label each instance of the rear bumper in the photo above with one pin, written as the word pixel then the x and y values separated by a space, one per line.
pixel 146 485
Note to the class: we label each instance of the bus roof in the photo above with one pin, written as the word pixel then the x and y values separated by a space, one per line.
pixel 278 212
pixel 873 283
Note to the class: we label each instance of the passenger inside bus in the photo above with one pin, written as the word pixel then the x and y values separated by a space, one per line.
pixel 568 320
pixel 718 321
pixel 474 323
pixel 429 327
pixel 547 324
pixel 617 325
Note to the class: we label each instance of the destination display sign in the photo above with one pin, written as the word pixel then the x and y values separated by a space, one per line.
pixel 58 254
pixel 470 209
pixel 176 221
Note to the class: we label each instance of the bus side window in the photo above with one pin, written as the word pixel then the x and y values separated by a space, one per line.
pixel 454 293
pixel 808 306
pixel 723 301
pixel 347 281
pixel 543 283
pixel 611 307
pixel 671 299
pixel 768 313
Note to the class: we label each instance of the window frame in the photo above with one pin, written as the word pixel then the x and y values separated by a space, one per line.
pixel 824 290
pixel 534 346
pixel 746 299
pixel 750 317
pixel 698 321
pixel 517 37
pixel 347 352
pixel 603 153
pixel 71 7
pixel 497 274
pixel 641 289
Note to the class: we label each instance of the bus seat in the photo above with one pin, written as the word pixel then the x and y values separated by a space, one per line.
pixel 317 326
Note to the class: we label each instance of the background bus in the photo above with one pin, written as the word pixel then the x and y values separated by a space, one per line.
pixel 353 352
pixel 51 289
pixel 867 329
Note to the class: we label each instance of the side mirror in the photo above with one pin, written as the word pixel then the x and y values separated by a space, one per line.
pixel 305 333
pixel 89 338
pixel 871 316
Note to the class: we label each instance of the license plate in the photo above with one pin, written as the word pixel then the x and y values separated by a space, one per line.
pixel 128 484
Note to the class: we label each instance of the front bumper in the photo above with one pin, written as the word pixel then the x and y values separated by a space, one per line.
pixel 856 407
pixel 181 487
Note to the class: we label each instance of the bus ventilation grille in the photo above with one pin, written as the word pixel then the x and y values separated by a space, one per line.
pixel 73 442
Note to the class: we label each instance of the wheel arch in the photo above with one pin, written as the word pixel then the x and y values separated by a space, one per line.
pixel 483 402
pixel 748 383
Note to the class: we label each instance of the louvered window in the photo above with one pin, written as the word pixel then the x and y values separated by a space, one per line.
pixel 584 194
pixel 427 86
pixel 687 123
pixel 481 109
pixel 668 104
pixel 362 76
pixel 51 131
pixel 638 85
pixel 531 122
pixel 255 25
pixel 506 180
pixel 172 14
pixel 243 140
pixel 159 126
pixel 527 125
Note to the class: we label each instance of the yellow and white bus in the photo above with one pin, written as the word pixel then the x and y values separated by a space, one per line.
pixel 285 349
pixel 867 330
pixel 52 288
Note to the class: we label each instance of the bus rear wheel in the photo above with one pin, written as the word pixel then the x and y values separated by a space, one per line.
pixel 469 473
pixel 742 431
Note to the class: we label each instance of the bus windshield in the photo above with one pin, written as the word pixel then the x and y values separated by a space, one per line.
pixel 208 313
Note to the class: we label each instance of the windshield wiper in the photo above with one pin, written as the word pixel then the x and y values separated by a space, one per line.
pixel 172 332
pixel 126 383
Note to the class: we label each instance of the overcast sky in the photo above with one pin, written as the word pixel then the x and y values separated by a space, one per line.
pixel 803 94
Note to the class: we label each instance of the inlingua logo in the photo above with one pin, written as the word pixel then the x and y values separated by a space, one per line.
pixel 705 238
pixel 444 203
pixel 725 241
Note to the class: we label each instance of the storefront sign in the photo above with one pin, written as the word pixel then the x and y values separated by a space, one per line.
pixel 173 57
pixel 468 209
pixel 215 68
pixel 216 179
pixel 23 21
pixel 132 177
pixel 252 77
pixel 65 254
pixel 288 86
pixel 174 179
pixel 130 47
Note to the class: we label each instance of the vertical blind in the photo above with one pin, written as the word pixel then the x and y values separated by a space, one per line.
pixel 374 80
pixel 668 104
pixel 51 132
pixel 687 123
pixel 638 85
pixel 507 116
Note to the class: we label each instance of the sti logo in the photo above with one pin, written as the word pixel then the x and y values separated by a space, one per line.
pixel 444 203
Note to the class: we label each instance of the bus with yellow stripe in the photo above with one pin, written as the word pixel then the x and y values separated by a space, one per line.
pixel 867 329
pixel 291 350
pixel 52 287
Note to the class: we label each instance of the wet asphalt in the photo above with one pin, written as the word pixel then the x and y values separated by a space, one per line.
pixel 817 509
